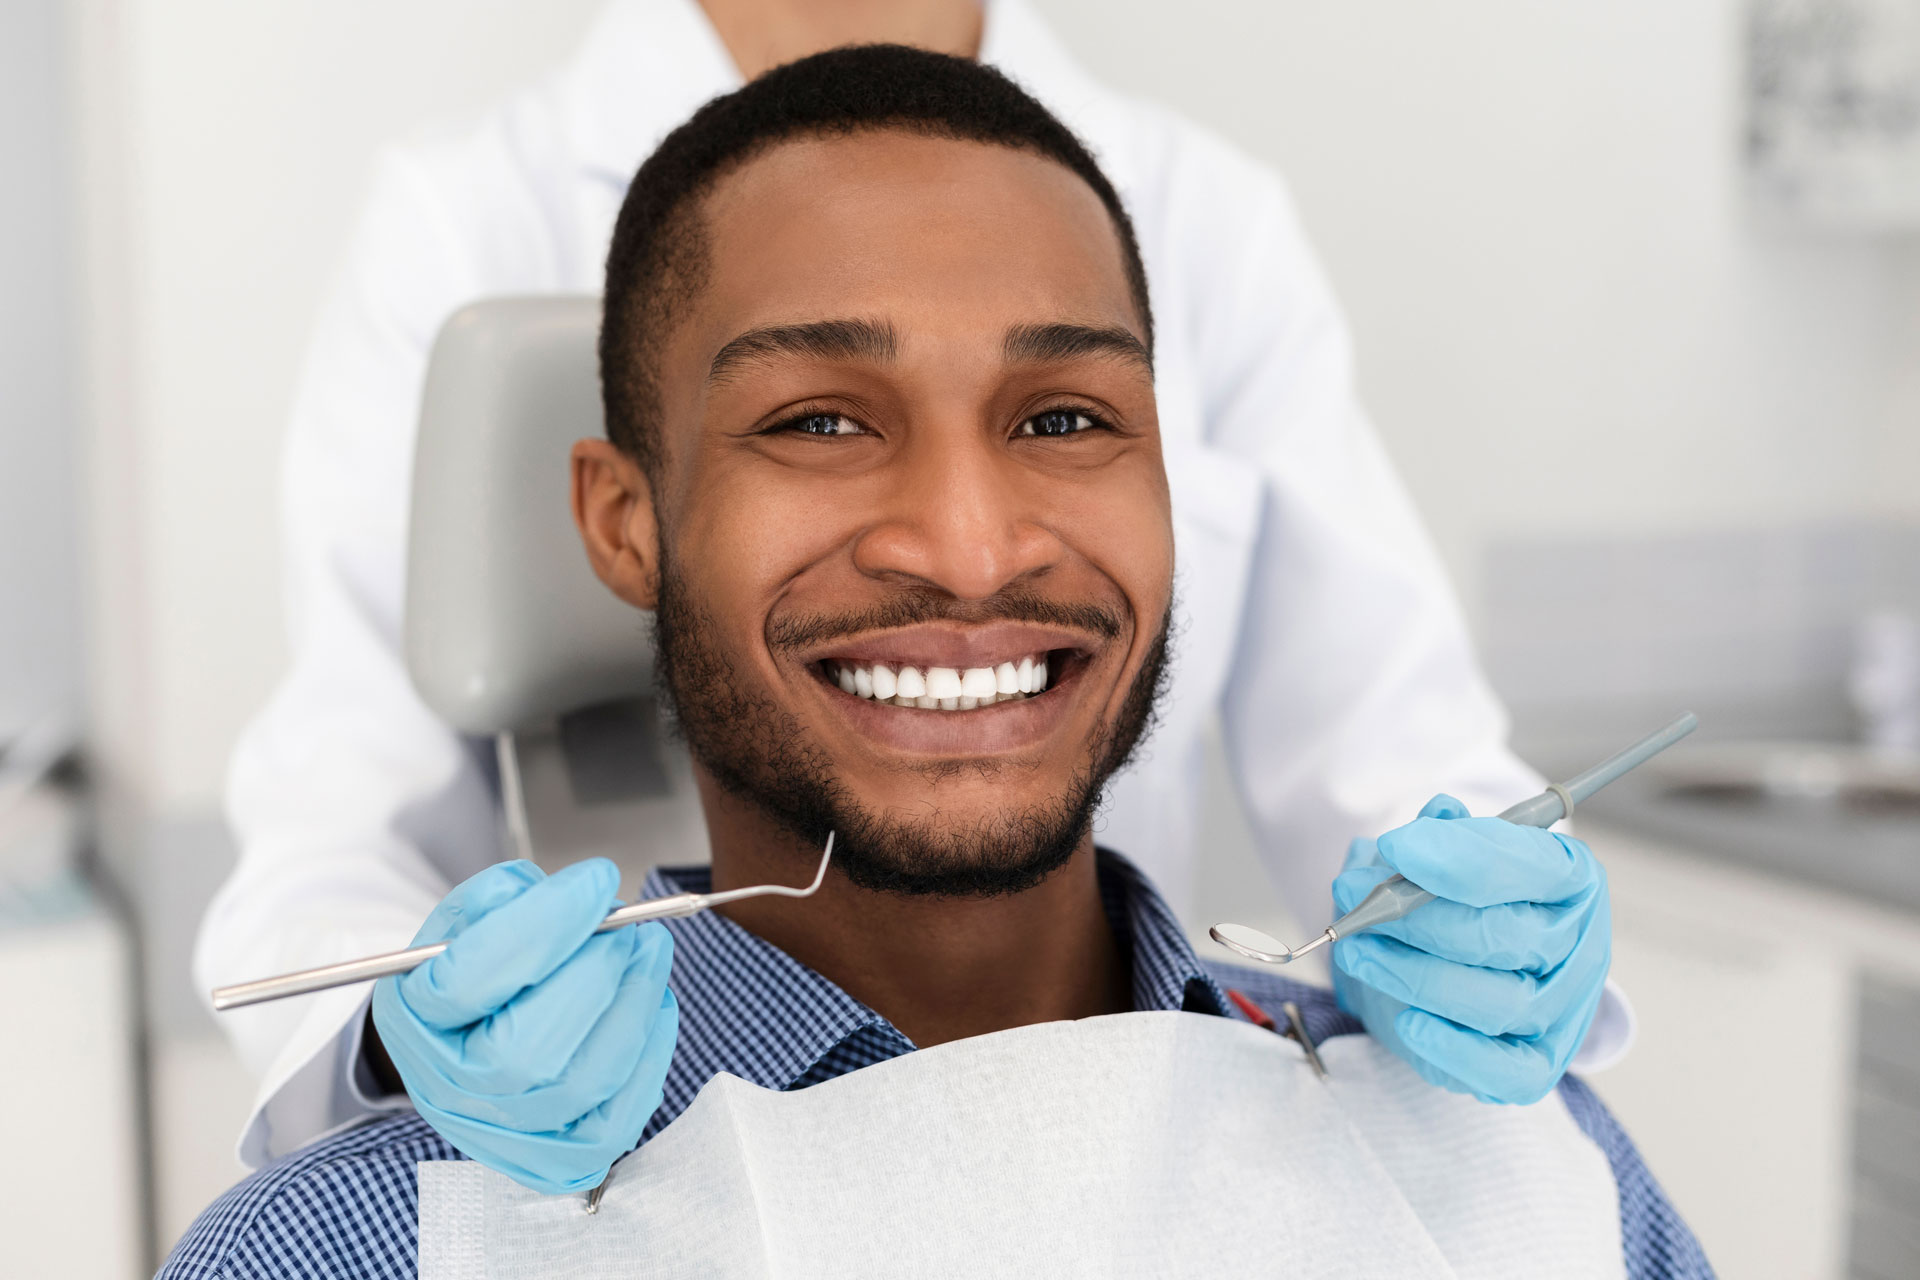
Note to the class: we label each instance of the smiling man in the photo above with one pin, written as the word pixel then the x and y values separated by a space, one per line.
pixel 883 459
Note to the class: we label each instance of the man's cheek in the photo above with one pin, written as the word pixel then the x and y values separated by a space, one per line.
pixel 759 537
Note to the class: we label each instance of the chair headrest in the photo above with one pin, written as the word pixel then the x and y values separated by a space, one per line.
pixel 506 625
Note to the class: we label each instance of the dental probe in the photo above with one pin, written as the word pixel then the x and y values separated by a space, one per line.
pixel 1395 897
pixel 380 966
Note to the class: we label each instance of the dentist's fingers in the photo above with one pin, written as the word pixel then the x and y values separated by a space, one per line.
pixel 607 1056
pixel 1443 806
pixel 511 947
pixel 1494 1002
pixel 532 1038
pixel 614 1127
pixel 546 1162
pixel 476 896
pixel 1356 882
pixel 1486 861
pixel 573 1156
pixel 1509 1069
pixel 1526 937
pixel 576 1158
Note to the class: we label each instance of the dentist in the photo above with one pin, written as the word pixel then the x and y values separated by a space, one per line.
pixel 1313 622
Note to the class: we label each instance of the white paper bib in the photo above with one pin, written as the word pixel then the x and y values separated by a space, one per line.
pixel 1142 1144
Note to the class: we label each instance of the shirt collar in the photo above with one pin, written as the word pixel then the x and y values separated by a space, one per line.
pixel 1166 972
pixel 750 1009
pixel 747 1007
pixel 646 65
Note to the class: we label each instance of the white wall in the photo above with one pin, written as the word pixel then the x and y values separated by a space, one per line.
pixel 39 601
pixel 1567 319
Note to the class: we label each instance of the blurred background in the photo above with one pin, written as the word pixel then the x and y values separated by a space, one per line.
pixel 1636 295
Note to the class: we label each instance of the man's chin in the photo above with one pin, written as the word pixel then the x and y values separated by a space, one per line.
pixel 939 856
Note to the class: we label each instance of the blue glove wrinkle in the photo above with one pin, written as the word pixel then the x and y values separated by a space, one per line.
pixel 1443 806
pixel 605 1058
pixel 1509 1070
pixel 528 1042
pixel 475 897
pixel 1356 882
pixel 614 1126
pixel 551 1163
pixel 1379 1011
pixel 1494 1002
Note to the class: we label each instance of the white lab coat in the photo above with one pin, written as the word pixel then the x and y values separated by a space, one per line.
pixel 1315 618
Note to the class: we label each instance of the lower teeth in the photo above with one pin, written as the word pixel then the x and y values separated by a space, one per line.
pixel 952 704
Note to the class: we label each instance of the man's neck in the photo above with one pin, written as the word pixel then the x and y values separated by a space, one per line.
pixel 763 34
pixel 937 968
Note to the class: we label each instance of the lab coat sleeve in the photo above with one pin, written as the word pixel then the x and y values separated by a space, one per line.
pixel 1354 693
pixel 354 807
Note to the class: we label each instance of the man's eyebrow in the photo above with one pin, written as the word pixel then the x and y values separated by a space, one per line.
pixel 821 339
pixel 1039 343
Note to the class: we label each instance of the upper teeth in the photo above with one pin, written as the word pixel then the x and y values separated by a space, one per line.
pixel 944 688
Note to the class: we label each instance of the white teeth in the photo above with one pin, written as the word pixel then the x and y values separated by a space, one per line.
pixel 943 688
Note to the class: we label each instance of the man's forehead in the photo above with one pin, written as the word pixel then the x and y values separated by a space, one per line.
pixel 913 234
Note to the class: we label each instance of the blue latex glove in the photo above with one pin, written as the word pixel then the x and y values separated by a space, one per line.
pixel 531 1043
pixel 1488 989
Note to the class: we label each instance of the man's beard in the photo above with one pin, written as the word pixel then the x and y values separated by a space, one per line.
pixel 764 755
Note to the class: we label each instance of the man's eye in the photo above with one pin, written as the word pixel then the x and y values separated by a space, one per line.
pixel 1057 422
pixel 823 424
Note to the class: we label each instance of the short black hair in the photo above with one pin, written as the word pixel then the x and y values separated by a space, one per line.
pixel 657 261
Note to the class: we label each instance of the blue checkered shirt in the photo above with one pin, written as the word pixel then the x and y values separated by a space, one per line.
pixel 347 1206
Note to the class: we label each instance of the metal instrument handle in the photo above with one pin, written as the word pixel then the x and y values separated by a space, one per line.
pixel 381 966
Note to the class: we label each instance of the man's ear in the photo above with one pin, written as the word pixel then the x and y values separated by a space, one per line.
pixel 613 509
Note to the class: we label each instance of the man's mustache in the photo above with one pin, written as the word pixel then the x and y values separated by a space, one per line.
pixel 913 607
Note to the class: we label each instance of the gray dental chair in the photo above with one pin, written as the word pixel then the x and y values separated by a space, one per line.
pixel 509 636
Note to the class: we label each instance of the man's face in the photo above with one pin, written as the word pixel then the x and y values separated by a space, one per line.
pixel 910 440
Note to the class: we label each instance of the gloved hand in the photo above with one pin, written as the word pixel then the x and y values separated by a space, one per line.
pixel 531 1043
pixel 1488 989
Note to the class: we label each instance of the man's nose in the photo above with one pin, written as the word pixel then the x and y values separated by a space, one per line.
pixel 961 516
